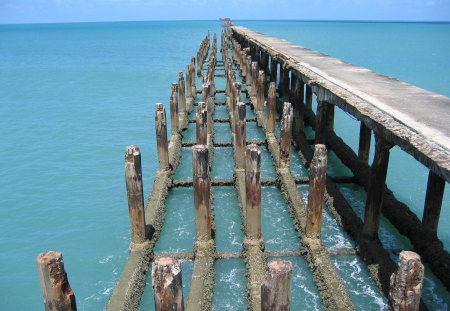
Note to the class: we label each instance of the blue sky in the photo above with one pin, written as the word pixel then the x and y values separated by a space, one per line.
pixel 50 11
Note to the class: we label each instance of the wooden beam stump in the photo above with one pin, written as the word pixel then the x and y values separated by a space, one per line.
pixel 433 202
pixel 240 136
pixel 286 136
pixel 377 183
pixel 167 284
pixel 181 93
pixel 56 291
pixel 276 288
pixel 174 109
pixel 133 178
pixel 365 135
pixel 202 192
pixel 406 283
pixel 317 184
pixel 253 192
pixel 272 107
pixel 202 122
pixel 260 91
pixel 161 137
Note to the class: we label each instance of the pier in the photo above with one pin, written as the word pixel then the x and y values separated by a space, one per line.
pixel 276 82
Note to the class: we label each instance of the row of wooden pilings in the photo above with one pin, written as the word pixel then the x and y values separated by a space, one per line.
pixel 56 291
pixel 250 65
pixel 166 272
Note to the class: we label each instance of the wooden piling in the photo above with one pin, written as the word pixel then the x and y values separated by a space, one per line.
pixel 433 202
pixel 276 288
pixel 193 84
pixel 308 97
pixel 56 291
pixel 265 62
pixel 284 83
pixel 254 74
pixel 260 91
pixel 273 70
pixel 174 108
pixel 253 192
pixel 271 107
pixel 188 81
pixel 317 184
pixel 202 192
pixel 167 284
pixel 161 137
pixel 181 93
pixel 202 122
pixel 406 283
pixel 299 108
pixel 375 192
pixel 133 178
pixel 286 135
pixel 365 134
pixel 324 121
pixel 240 136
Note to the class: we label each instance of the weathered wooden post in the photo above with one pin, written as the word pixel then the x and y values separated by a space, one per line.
pixel 433 202
pixel 254 74
pixel 272 107
pixel 253 192
pixel 375 192
pixel 167 284
pixel 284 83
pixel 133 178
pixel 276 288
pixel 297 101
pixel 260 91
pixel 365 134
pixel 317 183
pixel 161 137
pixel 205 92
pixel 286 135
pixel 174 108
pixel 181 94
pixel 406 283
pixel 324 121
pixel 56 291
pixel 273 70
pixel 202 121
pixel 308 97
pixel 249 77
pixel 188 80
pixel 193 86
pixel 193 67
pixel 240 136
pixel 265 62
pixel 236 98
pixel 202 192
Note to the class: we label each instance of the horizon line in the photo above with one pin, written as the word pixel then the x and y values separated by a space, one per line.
pixel 236 20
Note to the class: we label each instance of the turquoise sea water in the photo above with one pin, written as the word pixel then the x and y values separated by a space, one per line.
pixel 72 96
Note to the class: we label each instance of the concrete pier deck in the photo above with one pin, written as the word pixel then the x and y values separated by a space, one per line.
pixel 410 117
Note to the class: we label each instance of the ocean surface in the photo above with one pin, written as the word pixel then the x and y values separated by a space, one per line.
pixel 73 96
